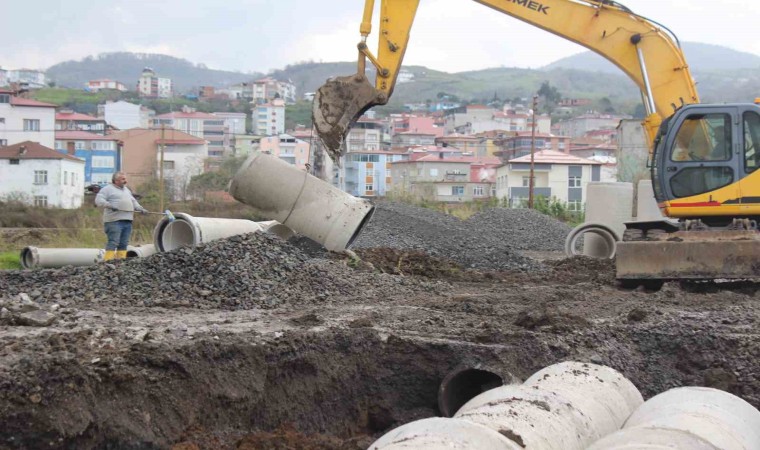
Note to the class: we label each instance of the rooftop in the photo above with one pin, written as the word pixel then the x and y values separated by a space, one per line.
pixel 33 150
pixel 553 157
pixel 81 136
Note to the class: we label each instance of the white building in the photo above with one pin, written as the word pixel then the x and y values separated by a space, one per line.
pixel 269 118
pixel 3 77
pixel 124 115
pixel 31 78
pixel 267 89
pixel 23 119
pixel 556 175
pixel 97 85
pixel 40 176
pixel 151 86
pixel 579 126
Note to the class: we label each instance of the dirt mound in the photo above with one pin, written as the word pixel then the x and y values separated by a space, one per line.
pixel 406 227
pixel 415 262
pixel 242 272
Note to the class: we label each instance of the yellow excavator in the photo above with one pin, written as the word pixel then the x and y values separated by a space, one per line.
pixel 703 158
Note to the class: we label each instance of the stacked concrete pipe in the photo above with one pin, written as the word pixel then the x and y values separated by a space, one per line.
pixel 566 406
pixel 35 257
pixel 280 191
pixel 689 418
pixel 608 207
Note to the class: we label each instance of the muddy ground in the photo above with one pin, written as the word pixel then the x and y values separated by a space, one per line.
pixel 338 372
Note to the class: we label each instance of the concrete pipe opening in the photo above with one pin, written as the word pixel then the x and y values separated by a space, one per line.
pixel 462 385
pixel 140 251
pixel 33 257
pixel 177 234
pixel 604 247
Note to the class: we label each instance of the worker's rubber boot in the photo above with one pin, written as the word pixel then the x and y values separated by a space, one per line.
pixel 121 254
pixel 110 254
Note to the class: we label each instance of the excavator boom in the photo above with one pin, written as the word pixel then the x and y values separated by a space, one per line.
pixel 645 51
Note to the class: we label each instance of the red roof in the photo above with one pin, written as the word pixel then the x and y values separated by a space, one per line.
pixel 33 150
pixel 76 116
pixel 18 101
pixel 81 136
pixel 487 160
pixel 184 115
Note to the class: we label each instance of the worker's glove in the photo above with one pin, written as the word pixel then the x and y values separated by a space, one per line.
pixel 143 211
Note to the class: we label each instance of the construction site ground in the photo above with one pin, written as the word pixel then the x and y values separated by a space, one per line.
pixel 255 343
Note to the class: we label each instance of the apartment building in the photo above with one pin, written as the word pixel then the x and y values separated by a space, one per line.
pixel 556 175
pixel 101 154
pixel 521 143
pixel 40 176
pixel 183 156
pixel 30 78
pixel 367 173
pixel 207 126
pixel 68 120
pixel 287 148
pixel 269 118
pixel 151 86
pixel 234 125
pixel 23 119
pixel 457 118
pixel 265 90
pixel 447 179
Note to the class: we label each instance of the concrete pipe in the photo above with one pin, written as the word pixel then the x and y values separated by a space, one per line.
pixel 463 384
pixel 140 251
pixel 566 406
pixel 604 247
pixel 278 229
pixel 34 257
pixel 187 230
pixel 440 433
pixel 609 204
pixel 651 439
pixel 724 420
pixel 646 204
pixel 304 203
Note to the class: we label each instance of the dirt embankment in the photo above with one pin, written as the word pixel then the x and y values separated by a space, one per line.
pixel 302 349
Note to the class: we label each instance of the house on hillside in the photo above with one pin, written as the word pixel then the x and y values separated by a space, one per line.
pixel 40 176
pixel 101 154
pixel 557 175
pixel 23 119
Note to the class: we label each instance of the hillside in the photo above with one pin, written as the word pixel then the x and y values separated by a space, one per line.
pixel 126 67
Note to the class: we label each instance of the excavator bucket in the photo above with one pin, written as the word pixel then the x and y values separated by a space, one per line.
pixel 337 105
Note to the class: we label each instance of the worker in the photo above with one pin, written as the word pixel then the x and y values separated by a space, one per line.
pixel 119 206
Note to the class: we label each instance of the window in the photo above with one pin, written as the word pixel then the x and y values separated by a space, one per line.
pixel 477 191
pixel 168 165
pixel 703 137
pixel 79 145
pixel 40 177
pixel 457 190
pixel 369 187
pixel 574 182
pixel 73 178
pixel 102 162
pixel 102 145
pixel 2 119
pixel 433 172
pixel 575 206
pixel 40 201
pixel 31 125
pixel 101 178
pixel 3 142
pixel 65 177
pixel 5 98
pixel 15 162
pixel 751 141
pixel 526 181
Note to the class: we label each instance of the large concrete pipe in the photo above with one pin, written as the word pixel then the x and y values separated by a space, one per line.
pixel 440 433
pixel 278 229
pixel 304 203
pixel 609 204
pixel 33 257
pixel 723 420
pixel 464 383
pixel 186 230
pixel 140 251
pixel 601 232
pixel 646 204
pixel 567 406
pixel 651 439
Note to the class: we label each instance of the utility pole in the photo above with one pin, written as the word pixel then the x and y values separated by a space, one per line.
pixel 532 152
pixel 161 170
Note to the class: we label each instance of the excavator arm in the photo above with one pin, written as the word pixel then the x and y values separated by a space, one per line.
pixel 644 50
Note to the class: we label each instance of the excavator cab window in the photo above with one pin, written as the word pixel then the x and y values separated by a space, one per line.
pixel 751 129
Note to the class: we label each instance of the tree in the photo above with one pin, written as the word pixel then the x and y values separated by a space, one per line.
pixel 549 95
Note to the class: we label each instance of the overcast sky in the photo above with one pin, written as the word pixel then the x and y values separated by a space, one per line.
pixel 261 35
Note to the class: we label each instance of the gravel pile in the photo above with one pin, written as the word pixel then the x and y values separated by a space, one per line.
pixel 523 229
pixel 242 272
pixel 406 227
